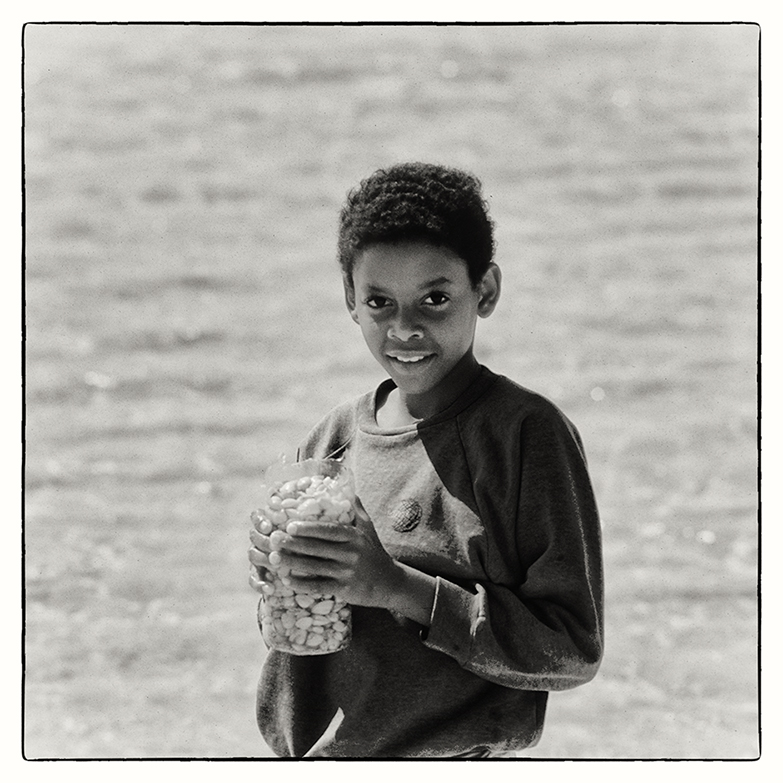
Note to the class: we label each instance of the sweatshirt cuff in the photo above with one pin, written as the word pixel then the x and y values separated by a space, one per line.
pixel 451 621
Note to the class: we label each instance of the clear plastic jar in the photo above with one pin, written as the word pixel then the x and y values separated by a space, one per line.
pixel 303 623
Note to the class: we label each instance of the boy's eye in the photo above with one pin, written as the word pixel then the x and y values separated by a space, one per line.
pixel 436 298
pixel 376 302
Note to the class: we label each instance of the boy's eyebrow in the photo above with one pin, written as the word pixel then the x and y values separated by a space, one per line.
pixel 437 281
pixel 430 284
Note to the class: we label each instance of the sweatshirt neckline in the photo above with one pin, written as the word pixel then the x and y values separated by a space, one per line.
pixel 367 422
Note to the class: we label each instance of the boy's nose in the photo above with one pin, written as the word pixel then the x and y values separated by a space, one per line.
pixel 404 328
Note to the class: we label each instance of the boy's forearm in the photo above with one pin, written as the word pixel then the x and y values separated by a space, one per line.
pixel 413 594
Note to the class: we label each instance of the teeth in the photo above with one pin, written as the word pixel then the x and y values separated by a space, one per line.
pixel 408 359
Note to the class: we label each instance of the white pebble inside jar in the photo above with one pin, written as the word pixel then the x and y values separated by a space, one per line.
pixel 302 623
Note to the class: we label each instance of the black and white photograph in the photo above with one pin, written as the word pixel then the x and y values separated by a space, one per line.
pixel 391 391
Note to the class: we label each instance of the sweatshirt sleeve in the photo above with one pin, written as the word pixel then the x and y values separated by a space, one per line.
pixel 542 628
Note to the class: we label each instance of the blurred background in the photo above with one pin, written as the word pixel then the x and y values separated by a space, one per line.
pixel 185 326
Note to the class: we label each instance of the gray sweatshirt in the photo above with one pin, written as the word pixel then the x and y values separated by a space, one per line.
pixel 493 498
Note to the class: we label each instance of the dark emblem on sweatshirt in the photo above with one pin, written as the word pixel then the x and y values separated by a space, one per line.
pixel 406 516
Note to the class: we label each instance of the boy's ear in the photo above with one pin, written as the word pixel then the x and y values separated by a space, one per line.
pixel 489 291
pixel 350 300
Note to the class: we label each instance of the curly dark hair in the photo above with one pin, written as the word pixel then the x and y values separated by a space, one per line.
pixel 418 201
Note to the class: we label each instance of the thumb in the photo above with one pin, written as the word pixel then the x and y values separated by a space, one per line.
pixel 363 520
pixel 362 517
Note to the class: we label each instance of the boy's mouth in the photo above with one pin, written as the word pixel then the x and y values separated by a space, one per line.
pixel 409 358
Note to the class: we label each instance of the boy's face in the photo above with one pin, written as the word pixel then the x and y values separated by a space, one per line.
pixel 417 310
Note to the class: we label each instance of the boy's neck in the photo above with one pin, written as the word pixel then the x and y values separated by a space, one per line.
pixel 398 409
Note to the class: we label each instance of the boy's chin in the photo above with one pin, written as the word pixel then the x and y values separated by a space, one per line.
pixel 416 387
pixel 412 375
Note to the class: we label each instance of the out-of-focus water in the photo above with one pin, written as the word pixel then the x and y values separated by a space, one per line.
pixel 185 324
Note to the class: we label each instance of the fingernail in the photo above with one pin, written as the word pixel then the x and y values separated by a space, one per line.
pixel 292 528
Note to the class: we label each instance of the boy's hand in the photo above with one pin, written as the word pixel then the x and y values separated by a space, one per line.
pixel 334 559
pixel 259 558
pixel 255 580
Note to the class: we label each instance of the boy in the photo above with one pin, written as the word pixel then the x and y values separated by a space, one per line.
pixel 474 571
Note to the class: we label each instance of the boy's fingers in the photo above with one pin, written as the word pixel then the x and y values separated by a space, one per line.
pixel 311 548
pixel 359 510
pixel 257 558
pixel 304 566
pixel 328 531
pixel 322 585
pixel 260 541
pixel 255 581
